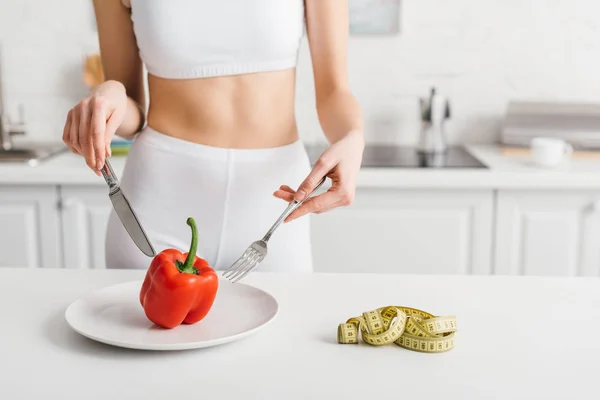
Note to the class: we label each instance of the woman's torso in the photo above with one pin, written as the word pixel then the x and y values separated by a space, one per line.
pixel 221 73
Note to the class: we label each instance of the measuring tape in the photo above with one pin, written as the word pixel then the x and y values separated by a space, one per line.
pixel 407 327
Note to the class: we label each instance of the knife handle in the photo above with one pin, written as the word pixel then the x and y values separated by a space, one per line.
pixel 109 176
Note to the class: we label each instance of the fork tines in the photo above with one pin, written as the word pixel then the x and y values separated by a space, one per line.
pixel 246 263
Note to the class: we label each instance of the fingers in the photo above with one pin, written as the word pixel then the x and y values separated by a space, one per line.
pixel 284 195
pixel 315 205
pixel 331 207
pixel 341 165
pixel 324 164
pixel 336 197
pixel 85 139
pixel 98 112
pixel 67 133
pixel 74 130
pixel 287 189
pixel 88 131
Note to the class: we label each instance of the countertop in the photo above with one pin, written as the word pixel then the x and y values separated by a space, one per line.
pixel 502 172
pixel 518 338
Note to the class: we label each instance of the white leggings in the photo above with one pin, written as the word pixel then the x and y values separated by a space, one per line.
pixel 229 193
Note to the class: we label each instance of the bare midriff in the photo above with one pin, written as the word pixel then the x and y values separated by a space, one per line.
pixel 240 111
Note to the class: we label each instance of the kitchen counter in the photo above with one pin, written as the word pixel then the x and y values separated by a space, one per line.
pixel 502 172
pixel 518 338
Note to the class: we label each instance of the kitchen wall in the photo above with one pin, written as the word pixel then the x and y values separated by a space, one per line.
pixel 480 53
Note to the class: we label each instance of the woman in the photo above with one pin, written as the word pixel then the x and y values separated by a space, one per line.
pixel 219 142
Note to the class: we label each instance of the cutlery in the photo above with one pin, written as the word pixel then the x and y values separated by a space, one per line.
pixel 257 251
pixel 126 214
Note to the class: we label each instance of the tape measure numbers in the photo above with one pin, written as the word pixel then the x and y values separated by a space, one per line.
pixel 407 327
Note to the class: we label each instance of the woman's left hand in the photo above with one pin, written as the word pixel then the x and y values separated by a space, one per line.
pixel 341 163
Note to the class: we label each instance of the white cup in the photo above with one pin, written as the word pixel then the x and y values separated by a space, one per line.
pixel 549 152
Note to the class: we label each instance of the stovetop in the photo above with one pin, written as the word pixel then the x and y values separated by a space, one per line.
pixel 383 156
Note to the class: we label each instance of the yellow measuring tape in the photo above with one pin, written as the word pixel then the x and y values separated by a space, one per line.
pixel 407 327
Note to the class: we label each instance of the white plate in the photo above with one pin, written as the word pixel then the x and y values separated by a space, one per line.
pixel 114 316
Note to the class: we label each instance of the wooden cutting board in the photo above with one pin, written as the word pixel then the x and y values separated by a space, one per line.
pixel 524 151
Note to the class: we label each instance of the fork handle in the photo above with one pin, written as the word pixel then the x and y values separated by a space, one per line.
pixel 290 209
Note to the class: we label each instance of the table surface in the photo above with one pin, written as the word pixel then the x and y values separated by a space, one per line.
pixel 518 338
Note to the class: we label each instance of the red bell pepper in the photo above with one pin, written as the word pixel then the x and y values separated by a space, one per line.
pixel 179 287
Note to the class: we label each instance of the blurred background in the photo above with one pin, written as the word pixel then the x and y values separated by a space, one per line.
pixel 481 54
pixel 458 189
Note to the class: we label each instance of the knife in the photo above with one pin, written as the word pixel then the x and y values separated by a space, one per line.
pixel 126 214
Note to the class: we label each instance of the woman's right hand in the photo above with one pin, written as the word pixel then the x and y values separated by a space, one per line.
pixel 92 123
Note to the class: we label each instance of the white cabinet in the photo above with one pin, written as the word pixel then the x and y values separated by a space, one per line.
pixel 516 232
pixel 407 231
pixel 548 233
pixel 85 211
pixel 29 223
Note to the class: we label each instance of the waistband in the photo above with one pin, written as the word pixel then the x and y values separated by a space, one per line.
pixel 183 147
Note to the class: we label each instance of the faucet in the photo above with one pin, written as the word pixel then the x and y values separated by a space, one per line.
pixel 8 128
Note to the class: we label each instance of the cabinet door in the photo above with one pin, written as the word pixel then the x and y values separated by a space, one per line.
pixel 84 221
pixel 29 226
pixel 554 233
pixel 406 231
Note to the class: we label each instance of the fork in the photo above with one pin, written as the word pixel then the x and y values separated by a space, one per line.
pixel 257 251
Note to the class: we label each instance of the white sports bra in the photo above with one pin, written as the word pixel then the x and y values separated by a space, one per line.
pixel 182 39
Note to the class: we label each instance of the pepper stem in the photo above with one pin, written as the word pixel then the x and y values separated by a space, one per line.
pixel 188 265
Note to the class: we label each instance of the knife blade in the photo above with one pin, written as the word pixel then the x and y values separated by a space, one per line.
pixel 125 213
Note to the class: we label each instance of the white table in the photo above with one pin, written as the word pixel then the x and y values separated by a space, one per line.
pixel 518 338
